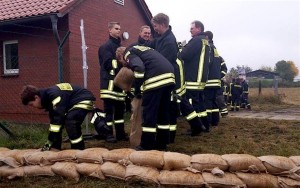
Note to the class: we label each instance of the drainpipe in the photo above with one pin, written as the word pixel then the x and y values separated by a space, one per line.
pixel 54 20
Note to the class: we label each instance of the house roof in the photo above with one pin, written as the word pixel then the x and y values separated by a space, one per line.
pixel 19 9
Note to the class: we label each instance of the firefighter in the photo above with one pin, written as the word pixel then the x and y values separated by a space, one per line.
pixel 112 96
pixel 195 55
pixel 154 81
pixel 67 105
pixel 236 92
pixel 244 98
pixel 213 83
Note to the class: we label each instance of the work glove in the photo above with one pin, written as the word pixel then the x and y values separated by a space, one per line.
pixel 47 146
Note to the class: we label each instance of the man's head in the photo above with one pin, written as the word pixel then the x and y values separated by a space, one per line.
pixel 114 29
pixel 30 96
pixel 196 28
pixel 145 32
pixel 160 23
pixel 209 35
pixel 120 55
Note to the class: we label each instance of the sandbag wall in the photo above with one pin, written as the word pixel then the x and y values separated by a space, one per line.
pixel 157 167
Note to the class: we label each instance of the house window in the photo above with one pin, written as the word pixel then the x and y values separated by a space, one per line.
pixel 10 57
pixel 120 2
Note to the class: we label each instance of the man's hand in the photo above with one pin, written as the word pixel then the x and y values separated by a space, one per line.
pixel 47 146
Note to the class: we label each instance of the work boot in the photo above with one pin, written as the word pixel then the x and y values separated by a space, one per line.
pixel 148 140
pixel 162 139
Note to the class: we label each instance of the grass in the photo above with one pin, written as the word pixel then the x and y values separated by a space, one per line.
pixel 256 137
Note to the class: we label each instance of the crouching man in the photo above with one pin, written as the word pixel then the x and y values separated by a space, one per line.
pixel 154 76
pixel 67 105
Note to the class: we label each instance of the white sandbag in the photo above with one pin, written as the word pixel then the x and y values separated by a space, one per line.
pixel 114 170
pixel 180 178
pixel 295 159
pixel 208 162
pixel 37 170
pixel 63 156
pixel 288 183
pixel 244 163
pixel 90 169
pixel 117 154
pixel 10 161
pixel 262 180
pixel 10 172
pixel 228 180
pixel 152 158
pixel 277 164
pixel 91 155
pixel 66 170
pixel 143 173
pixel 39 158
pixel 176 161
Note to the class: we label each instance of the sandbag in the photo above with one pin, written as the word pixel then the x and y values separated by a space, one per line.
pixel 124 79
pixel 277 164
pixel 208 162
pixel 36 170
pixel 136 121
pixel 10 161
pixel 3 149
pixel 181 178
pixel 90 155
pixel 288 183
pixel 295 159
pixel 117 154
pixel 66 170
pixel 176 161
pixel 10 172
pixel 114 170
pixel 143 173
pixel 152 158
pixel 63 156
pixel 18 155
pixel 262 180
pixel 228 180
pixel 90 169
pixel 244 163
pixel 39 158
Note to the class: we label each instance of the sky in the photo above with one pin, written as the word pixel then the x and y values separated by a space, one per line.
pixel 252 33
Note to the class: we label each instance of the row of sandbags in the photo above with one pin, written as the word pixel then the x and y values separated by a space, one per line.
pixel 166 168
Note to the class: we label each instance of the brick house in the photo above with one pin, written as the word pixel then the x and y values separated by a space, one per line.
pixel 31 32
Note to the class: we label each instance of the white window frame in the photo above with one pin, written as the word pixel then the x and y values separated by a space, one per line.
pixel 8 71
pixel 120 2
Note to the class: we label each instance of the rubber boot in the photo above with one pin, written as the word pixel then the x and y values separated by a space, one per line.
pixel 162 139
pixel 196 126
pixel 79 145
pixel 120 132
pixel 205 123
pixel 147 141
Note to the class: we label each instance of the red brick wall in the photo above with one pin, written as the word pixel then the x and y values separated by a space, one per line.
pixel 38 52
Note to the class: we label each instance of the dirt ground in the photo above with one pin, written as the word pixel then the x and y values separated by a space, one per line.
pixel 283 114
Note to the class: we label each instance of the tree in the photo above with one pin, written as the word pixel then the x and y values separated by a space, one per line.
pixel 286 70
pixel 294 68
pixel 234 72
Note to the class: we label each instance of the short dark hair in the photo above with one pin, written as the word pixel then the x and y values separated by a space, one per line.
pixel 199 24
pixel 161 18
pixel 28 94
pixel 112 24
pixel 209 34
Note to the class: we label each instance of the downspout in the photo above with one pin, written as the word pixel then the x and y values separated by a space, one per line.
pixel 54 20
